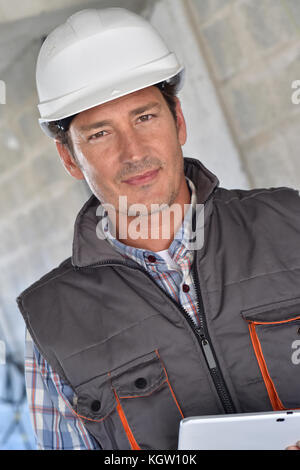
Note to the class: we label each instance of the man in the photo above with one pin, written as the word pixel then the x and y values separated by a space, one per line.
pixel 139 329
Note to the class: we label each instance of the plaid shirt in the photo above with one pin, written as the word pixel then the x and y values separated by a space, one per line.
pixel 50 400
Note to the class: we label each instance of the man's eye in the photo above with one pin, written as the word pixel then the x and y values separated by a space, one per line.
pixel 97 135
pixel 146 117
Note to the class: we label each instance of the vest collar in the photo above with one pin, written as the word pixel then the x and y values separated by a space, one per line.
pixel 88 249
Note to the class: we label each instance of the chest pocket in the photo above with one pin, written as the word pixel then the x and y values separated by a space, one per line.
pixel 132 407
pixel 275 335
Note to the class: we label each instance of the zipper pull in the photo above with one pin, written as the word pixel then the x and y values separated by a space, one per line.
pixel 207 349
pixel 208 354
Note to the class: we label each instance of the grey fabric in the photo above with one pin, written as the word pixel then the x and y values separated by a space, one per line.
pixel 111 333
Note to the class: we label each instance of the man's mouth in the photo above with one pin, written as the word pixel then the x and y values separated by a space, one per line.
pixel 143 178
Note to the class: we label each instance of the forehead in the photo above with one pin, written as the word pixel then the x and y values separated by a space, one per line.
pixel 123 104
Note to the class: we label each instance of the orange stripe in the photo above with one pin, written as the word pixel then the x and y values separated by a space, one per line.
pixel 275 322
pixel 274 398
pixel 134 445
pixel 171 390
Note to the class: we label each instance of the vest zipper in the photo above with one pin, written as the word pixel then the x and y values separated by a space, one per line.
pixel 208 350
pixel 201 332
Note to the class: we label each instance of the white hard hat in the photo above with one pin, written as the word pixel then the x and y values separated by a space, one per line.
pixel 98 56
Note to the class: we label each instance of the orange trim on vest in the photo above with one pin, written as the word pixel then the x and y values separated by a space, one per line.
pixel 134 445
pixel 274 398
pixel 170 387
pixel 273 395
pixel 274 322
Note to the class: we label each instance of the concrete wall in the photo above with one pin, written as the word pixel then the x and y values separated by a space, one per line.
pixel 38 200
pixel 12 10
pixel 209 137
pixel 252 49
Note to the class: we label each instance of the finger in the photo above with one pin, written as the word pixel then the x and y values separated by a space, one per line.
pixel 295 447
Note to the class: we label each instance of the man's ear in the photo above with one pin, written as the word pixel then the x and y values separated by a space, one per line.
pixel 181 125
pixel 69 161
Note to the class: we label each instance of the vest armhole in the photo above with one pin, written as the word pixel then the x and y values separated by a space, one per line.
pixel 50 359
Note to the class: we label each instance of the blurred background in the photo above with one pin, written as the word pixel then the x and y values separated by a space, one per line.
pixel 241 58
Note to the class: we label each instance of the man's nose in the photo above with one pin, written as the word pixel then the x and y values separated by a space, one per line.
pixel 133 147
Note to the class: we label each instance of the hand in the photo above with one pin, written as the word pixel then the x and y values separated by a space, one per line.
pixel 295 447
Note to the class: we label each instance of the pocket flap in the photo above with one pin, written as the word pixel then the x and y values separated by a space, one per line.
pixel 95 398
pixel 275 312
pixel 139 377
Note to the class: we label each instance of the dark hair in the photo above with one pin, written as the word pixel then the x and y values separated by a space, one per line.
pixel 59 129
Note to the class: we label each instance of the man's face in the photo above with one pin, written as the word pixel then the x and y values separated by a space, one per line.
pixel 131 147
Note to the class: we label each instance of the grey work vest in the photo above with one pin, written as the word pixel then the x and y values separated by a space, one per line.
pixel 132 356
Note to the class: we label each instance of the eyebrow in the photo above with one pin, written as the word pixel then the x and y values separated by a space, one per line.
pixel 134 112
pixel 142 109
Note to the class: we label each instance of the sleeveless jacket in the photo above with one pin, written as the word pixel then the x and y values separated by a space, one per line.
pixel 135 361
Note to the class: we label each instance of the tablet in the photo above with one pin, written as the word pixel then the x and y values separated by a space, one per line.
pixel 273 430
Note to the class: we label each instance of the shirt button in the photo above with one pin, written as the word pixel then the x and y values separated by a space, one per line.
pixel 151 259
pixel 185 288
